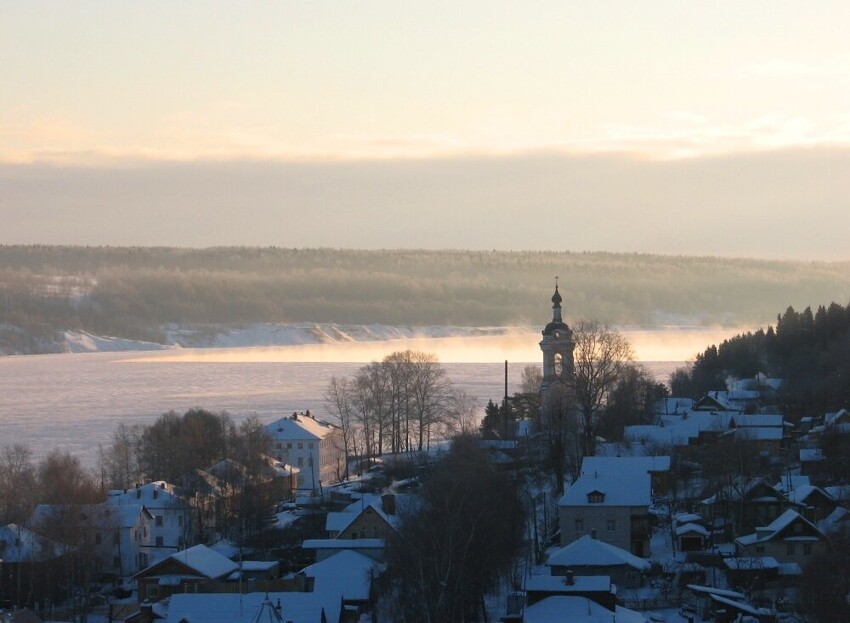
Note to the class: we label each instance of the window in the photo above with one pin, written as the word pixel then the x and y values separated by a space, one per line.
pixel 593 534
pixel 611 525
pixel 289 446
pixel 759 549
pixel 310 445
pixel 159 520
pixel 179 521
pixel 159 541
pixel 300 445
pixel 300 461
pixel 579 524
pixel 278 445
pixel 151 591
pixel 789 549
pixel 807 549
pixel 595 497
pixel 97 538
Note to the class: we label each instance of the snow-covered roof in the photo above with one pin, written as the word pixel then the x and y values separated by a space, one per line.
pixel 789 483
pixel 710 590
pixel 300 428
pixel 691 527
pixel 578 609
pixel 770 531
pixel 205 561
pixel 630 489
pixel 348 573
pixel 591 552
pixel 152 494
pixel 811 455
pixel 339 521
pixel 20 545
pixel 233 608
pixel 831 419
pixel 802 493
pixel 623 464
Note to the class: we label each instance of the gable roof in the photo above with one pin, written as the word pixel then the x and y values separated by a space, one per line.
pixel 200 559
pixel 300 428
pixel 629 489
pixel 590 552
pixel 346 572
pixel 777 528
pixel 578 610
pixel 339 521
pixel 234 608
pixel 621 464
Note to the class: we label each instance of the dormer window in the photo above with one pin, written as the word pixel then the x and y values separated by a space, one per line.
pixel 595 497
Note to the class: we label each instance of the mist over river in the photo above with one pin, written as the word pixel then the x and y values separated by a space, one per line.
pixel 75 401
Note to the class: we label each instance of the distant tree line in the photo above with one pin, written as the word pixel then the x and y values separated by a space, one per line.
pixel 809 350
pixel 131 292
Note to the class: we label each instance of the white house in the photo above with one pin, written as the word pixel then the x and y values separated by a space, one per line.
pixel 170 529
pixel 314 446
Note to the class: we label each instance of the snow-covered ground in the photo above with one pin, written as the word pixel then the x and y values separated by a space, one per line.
pixel 273 335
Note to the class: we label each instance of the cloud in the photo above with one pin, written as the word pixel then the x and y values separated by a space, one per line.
pixel 782 203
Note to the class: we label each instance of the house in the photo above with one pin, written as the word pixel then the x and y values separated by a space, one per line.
pixel 314 446
pixel 369 518
pixel 815 503
pixel 30 567
pixel 251 607
pixel 577 610
pixel 756 503
pixel 325 548
pixel 171 529
pixel 588 557
pixel 721 605
pixel 348 573
pixel 611 508
pixel 595 588
pixel 181 571
pixel 790 538
pixel 118 537
pixel 658 468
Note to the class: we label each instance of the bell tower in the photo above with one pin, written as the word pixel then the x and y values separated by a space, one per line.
pixel 557 346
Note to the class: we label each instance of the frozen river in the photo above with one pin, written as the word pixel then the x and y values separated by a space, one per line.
pixel 76 401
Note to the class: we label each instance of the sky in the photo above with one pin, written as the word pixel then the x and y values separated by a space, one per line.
pixel 705 128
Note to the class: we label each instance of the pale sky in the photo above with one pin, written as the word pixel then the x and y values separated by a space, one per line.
pixel 621 125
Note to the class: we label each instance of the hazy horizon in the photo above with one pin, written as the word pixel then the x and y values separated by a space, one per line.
pixel 670 128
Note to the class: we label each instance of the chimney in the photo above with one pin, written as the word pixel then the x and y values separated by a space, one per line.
pixel 388 503
pixel 569 579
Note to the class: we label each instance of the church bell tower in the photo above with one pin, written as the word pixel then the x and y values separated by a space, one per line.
pixel 557 346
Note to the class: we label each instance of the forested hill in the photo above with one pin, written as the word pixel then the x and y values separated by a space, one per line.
pixel 130 292
pixel 809 350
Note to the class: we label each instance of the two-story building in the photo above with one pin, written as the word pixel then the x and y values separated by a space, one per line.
pixel 314 446
pixel 171 527
pixel 613 508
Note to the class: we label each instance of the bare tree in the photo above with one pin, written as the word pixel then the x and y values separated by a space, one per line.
pixel 17 483
pixel 461 413
pixel 339 400
pixel 561 427
pixel 601 355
